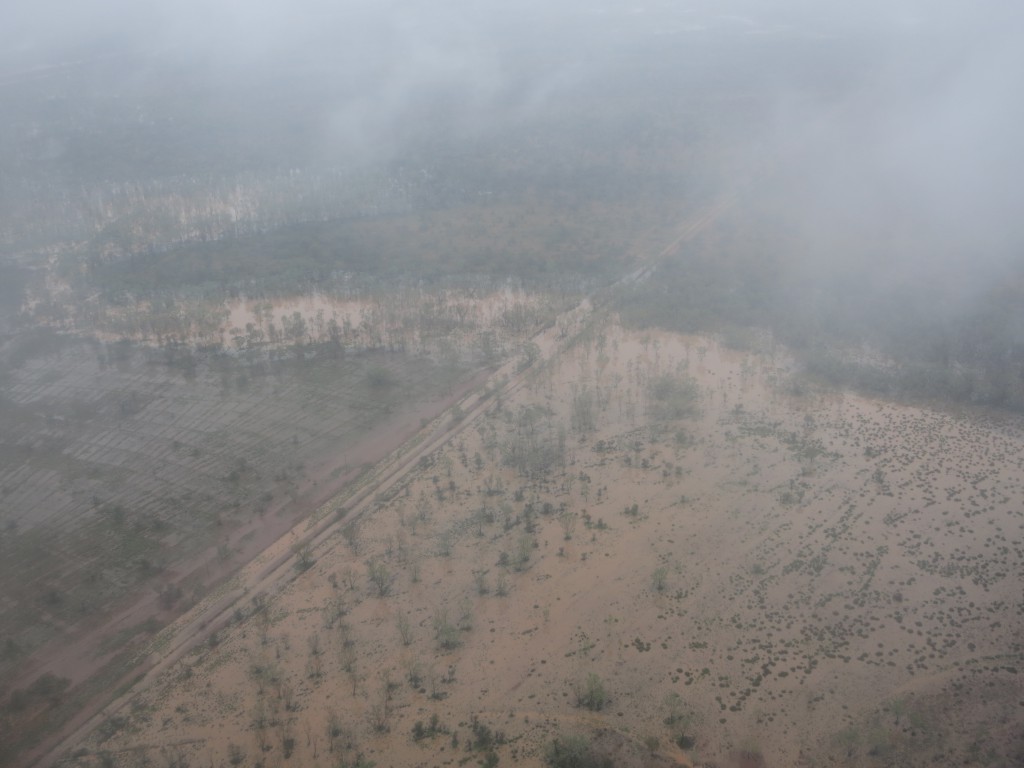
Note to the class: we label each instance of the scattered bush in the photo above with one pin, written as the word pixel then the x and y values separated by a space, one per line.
pixel 590 694
pixel 428 731
pixel 658 578
pixel 673 397
pixel 303 557
pixel 574 751
pixel 380 577
pixel 484 739
pixel 446 633
pixel 379 377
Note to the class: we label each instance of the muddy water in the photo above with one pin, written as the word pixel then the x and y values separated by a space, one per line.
pixel 824 554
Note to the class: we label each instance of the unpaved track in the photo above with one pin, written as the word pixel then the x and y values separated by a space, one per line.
pixel 268 573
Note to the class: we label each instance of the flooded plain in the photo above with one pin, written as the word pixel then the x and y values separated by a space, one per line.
pixel 714 562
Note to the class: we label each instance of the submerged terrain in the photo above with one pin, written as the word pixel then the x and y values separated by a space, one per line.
pixel 569 386
pixel 674 551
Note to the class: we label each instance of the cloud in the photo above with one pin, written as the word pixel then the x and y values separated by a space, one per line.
pixel 913 169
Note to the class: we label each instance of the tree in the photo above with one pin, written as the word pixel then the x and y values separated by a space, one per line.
pixel 530 354
pixel 303 557
pixel 567 520
pixel 294 327
pixel 404 629
pixel 574 751
pixel 380 577
pixel 582 418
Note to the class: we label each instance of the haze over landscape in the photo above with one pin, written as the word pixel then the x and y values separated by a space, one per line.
pixel 563 383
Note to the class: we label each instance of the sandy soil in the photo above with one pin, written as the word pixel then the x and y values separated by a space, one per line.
pixel 784 577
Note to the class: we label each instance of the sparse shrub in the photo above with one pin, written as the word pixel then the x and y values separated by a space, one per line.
pixel 591 694
pixel 379 717
pixel 380 577
pixel 176 757
pixel 47 687
pixel 287 746
pixel 444 544
pixel 659 578
pixel 351 535
pixel 567 520
pixel 465 615
pixel 583 416
pixel 446 633
pixel 685 742
pixel 574 751
pixel 422 731
pixel 483 738
pixel 524 548
pixel 334 730
pixel 11 649
pixel 404 628
pixel 672 397
pixel 169 595
pixel 303 557
pixel 381 378
pixel 360 762
pixel 501 588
